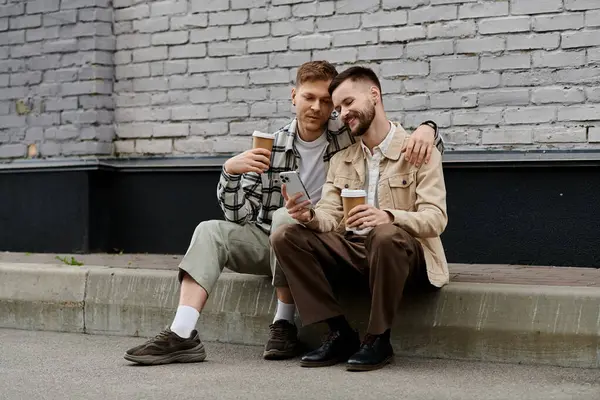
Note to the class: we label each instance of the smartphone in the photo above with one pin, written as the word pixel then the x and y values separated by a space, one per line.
pixel 293 185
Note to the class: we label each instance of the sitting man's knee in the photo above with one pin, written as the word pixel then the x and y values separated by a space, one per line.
pixel 386 235
pixel 208 225
pixel 284 235
pixel 207 231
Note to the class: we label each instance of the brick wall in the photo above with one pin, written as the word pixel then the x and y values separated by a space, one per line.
pixel 56 70
pixel 197 77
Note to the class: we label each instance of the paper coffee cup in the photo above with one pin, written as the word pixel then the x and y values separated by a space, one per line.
pixel 351 199
pixel 261 140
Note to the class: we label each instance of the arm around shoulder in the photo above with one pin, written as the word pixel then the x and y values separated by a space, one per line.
pixel 430 216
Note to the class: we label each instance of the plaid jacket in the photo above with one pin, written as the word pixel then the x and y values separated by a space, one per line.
pixel 253 197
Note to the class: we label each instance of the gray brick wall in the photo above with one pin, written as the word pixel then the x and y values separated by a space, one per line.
pixel 494 74
pixel 56 78
pixel 197 77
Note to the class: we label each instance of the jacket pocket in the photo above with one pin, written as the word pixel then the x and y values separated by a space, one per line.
pixel 342 182
pixel 402 189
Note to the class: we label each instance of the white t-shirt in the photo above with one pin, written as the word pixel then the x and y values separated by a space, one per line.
pixel 312 168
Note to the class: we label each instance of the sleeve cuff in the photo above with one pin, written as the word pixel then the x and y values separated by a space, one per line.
pixel 230 180
pixel 312 223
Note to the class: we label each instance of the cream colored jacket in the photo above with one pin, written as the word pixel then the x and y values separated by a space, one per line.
pixel 416 197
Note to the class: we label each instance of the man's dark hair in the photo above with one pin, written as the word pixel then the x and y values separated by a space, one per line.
pixel 355 74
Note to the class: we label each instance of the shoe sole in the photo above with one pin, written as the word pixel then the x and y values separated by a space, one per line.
pixel 319 364
pixel 361 368
pixel 197 354
pixel 279 354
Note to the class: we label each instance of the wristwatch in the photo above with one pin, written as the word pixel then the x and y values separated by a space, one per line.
pixel 432 125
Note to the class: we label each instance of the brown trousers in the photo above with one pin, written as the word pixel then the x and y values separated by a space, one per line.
pixel 388 255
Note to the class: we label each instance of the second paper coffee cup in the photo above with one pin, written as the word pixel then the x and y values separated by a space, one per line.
pixel 351 199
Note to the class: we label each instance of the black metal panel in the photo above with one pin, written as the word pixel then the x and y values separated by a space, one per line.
pixel 526 215
pixel 44 212
pixel 157 212
pixel 102 204
pixel 498 214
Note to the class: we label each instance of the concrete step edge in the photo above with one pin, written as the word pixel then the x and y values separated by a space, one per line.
pixel 496 322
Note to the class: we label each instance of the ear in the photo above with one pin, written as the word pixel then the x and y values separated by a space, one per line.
pixel 293 96
pixel 375 95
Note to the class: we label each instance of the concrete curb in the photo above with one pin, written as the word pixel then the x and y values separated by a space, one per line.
pixel 552 325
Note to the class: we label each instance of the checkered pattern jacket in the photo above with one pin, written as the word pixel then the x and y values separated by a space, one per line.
pixel 252 197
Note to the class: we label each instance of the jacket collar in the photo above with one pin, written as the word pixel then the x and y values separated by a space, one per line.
pixel 393 152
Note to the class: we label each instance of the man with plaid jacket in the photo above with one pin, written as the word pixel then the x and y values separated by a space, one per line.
pixel 249 192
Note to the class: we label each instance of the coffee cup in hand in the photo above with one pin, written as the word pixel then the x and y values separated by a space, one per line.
pixel 261 140
pixel 350 199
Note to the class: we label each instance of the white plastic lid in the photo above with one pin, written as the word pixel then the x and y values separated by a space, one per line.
pixel 353 193
pixel 263 135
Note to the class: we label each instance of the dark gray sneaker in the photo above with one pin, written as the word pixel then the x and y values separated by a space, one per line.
pixel 283 341
pixel 166 348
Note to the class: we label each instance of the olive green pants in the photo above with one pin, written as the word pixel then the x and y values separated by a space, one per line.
pixel 241 248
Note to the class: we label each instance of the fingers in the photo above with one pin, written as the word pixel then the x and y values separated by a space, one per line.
pixel 361 222
pixel 299 208
pixel 409 149
pixel 428 155
pixel 291 202
pixel 358 209
pixel 358 217
pixel 257 164
pixel 375 221
pixel 418 145
pixel 261 159
pixel 301 216
pixel 284 193
pixel 421 155
pixel 261 152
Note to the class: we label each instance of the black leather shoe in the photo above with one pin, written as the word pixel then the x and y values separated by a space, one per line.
pixel 336 348
pixel 375 352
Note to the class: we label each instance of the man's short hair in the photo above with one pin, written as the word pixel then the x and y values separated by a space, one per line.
pixel 315 71
pixel 355 74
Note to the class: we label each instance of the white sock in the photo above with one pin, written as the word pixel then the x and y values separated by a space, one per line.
pixel 285 311
pixel 185 321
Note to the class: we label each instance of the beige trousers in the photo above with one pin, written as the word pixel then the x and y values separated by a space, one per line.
pixel 241 248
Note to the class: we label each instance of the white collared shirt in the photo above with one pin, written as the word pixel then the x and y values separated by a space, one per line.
pixel 373 162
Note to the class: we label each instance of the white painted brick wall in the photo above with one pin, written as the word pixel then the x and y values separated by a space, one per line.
pixel 183 77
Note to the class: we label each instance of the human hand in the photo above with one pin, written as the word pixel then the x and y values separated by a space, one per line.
pixel 300 212
pixel 254 160
pixel 365 215
pixel 419 145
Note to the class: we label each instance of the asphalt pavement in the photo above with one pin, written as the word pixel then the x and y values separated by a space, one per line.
pixel 48 365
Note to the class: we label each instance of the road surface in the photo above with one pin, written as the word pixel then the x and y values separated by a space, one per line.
pixel 46 365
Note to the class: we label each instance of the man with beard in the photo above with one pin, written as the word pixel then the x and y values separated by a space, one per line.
pixel 401 224
pixel 249 194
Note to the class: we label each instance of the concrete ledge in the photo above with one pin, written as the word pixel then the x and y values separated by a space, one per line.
pixel 42 297
pixel 551 325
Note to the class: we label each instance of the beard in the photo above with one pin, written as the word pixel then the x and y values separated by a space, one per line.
pixel 364 118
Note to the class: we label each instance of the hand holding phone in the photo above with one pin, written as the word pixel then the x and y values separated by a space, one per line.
pixel 296 196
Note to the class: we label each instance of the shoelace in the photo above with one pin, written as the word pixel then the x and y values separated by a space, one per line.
pixel 278 332
pixel 162 336
pixel 330 337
